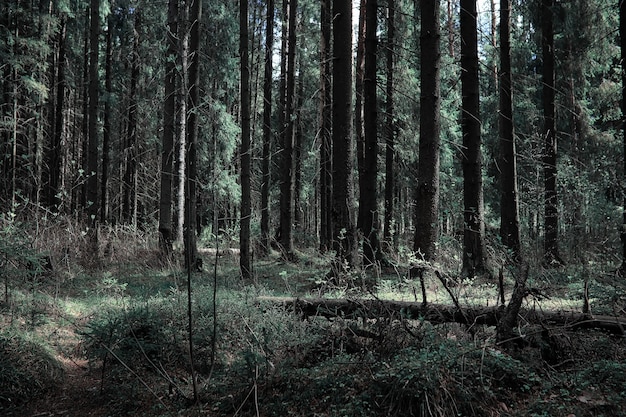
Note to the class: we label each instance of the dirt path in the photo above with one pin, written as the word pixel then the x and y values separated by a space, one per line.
pixel 78 396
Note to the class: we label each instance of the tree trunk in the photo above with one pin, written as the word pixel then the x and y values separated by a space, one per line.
pixel 106 133
pixel 191 250
pixel 85 120
pixel 326 229
pixel 181 121
pixel 359 108
pixel 344 233
pixel 246 204
pixel 267 129
pixel 427 204
pixel 622 34
pixel 129 209
pixel 166 235
pixel 55 159
pixel 551 214
pixel 390 131
pixel 471 157
pixel 92 156
pixel 368 195
pixel 509 206
pixel 287 180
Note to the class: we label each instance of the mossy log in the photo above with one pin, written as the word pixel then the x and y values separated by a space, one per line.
pixel 441 313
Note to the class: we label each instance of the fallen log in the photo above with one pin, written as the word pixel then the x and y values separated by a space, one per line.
pixel 442 313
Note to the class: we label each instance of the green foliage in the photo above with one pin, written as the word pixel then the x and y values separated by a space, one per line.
pixel 28 368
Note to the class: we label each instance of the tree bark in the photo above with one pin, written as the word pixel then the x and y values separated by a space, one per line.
pixel 471 156
pixel 551 213
pixel 509 205
pixel 106 131
pixel 267 129
pixel 344 233
pixel 326 229
pixel 442 313
pixel 622 34
pixel 287 177
pixel 191 250
pixel 368 194
pixel 166 235
pixel 359 108
pixel 92 156
pixel 427 204
pixel 390 131
pixel 246 204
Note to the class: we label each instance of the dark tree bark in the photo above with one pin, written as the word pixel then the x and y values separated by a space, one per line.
pixel 368 194
pixel 246 204
pixel 622 34
pixel 551 214
pixel 471 156
pixel 344 233
pixel 267 129
pixel 191 198
pixel 55 159
pixel 427 204
pixel 509 206
pixel 129 207
pixel 390 125
pixel 297 152
pixel 166 235
pixel 106 131
pixel 92 151
pixel 287 174
pixel 326 229
pixel 82 203
pixel 359 108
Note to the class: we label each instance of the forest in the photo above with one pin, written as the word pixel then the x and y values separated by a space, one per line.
pixel 313 208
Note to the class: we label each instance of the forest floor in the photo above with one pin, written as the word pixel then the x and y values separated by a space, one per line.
pixel 116 341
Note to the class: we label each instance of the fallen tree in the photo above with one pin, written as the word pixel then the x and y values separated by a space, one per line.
pixel 441 313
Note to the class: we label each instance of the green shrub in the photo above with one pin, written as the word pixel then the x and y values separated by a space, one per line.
pixel 28 368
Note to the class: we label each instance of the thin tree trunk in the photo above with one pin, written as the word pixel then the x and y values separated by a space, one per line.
pixel 106 131
pixel 130 172
pixel 390 131
pixel 191 250
pixel 473 214
pixel 246 204
pixel 54 189
pixel 368 195
pixel 183 53
pixel 427 204
pixel 297 153
pixel 326 229
pixel 92 157
pixel 509 206
pixel 359 109
pixel 551 214
pixel 287 180
pixel 622 33
pixel 166 235
pixel 344 232
pixel 85 120
pixel 267 129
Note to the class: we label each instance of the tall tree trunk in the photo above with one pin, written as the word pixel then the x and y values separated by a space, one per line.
pixel 181 120
pixel 92 156
pixel 427 204
pixel 509 206
pixel 390 125
pixel 471 157
pixel 106 133
pixel 55 160
pixel 344 233
pixel 359 109
pixel 246 204
pixel 622 34
pixel 85 119
pixel 368 194
pixel 326 229
pixel 130 172
pixel 191 250
pixel 297 152
pixel 267 129
pixel 287 180
pixel 166 235
pixel 551 214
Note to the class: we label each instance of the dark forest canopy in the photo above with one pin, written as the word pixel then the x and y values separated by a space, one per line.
pixel 86 138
